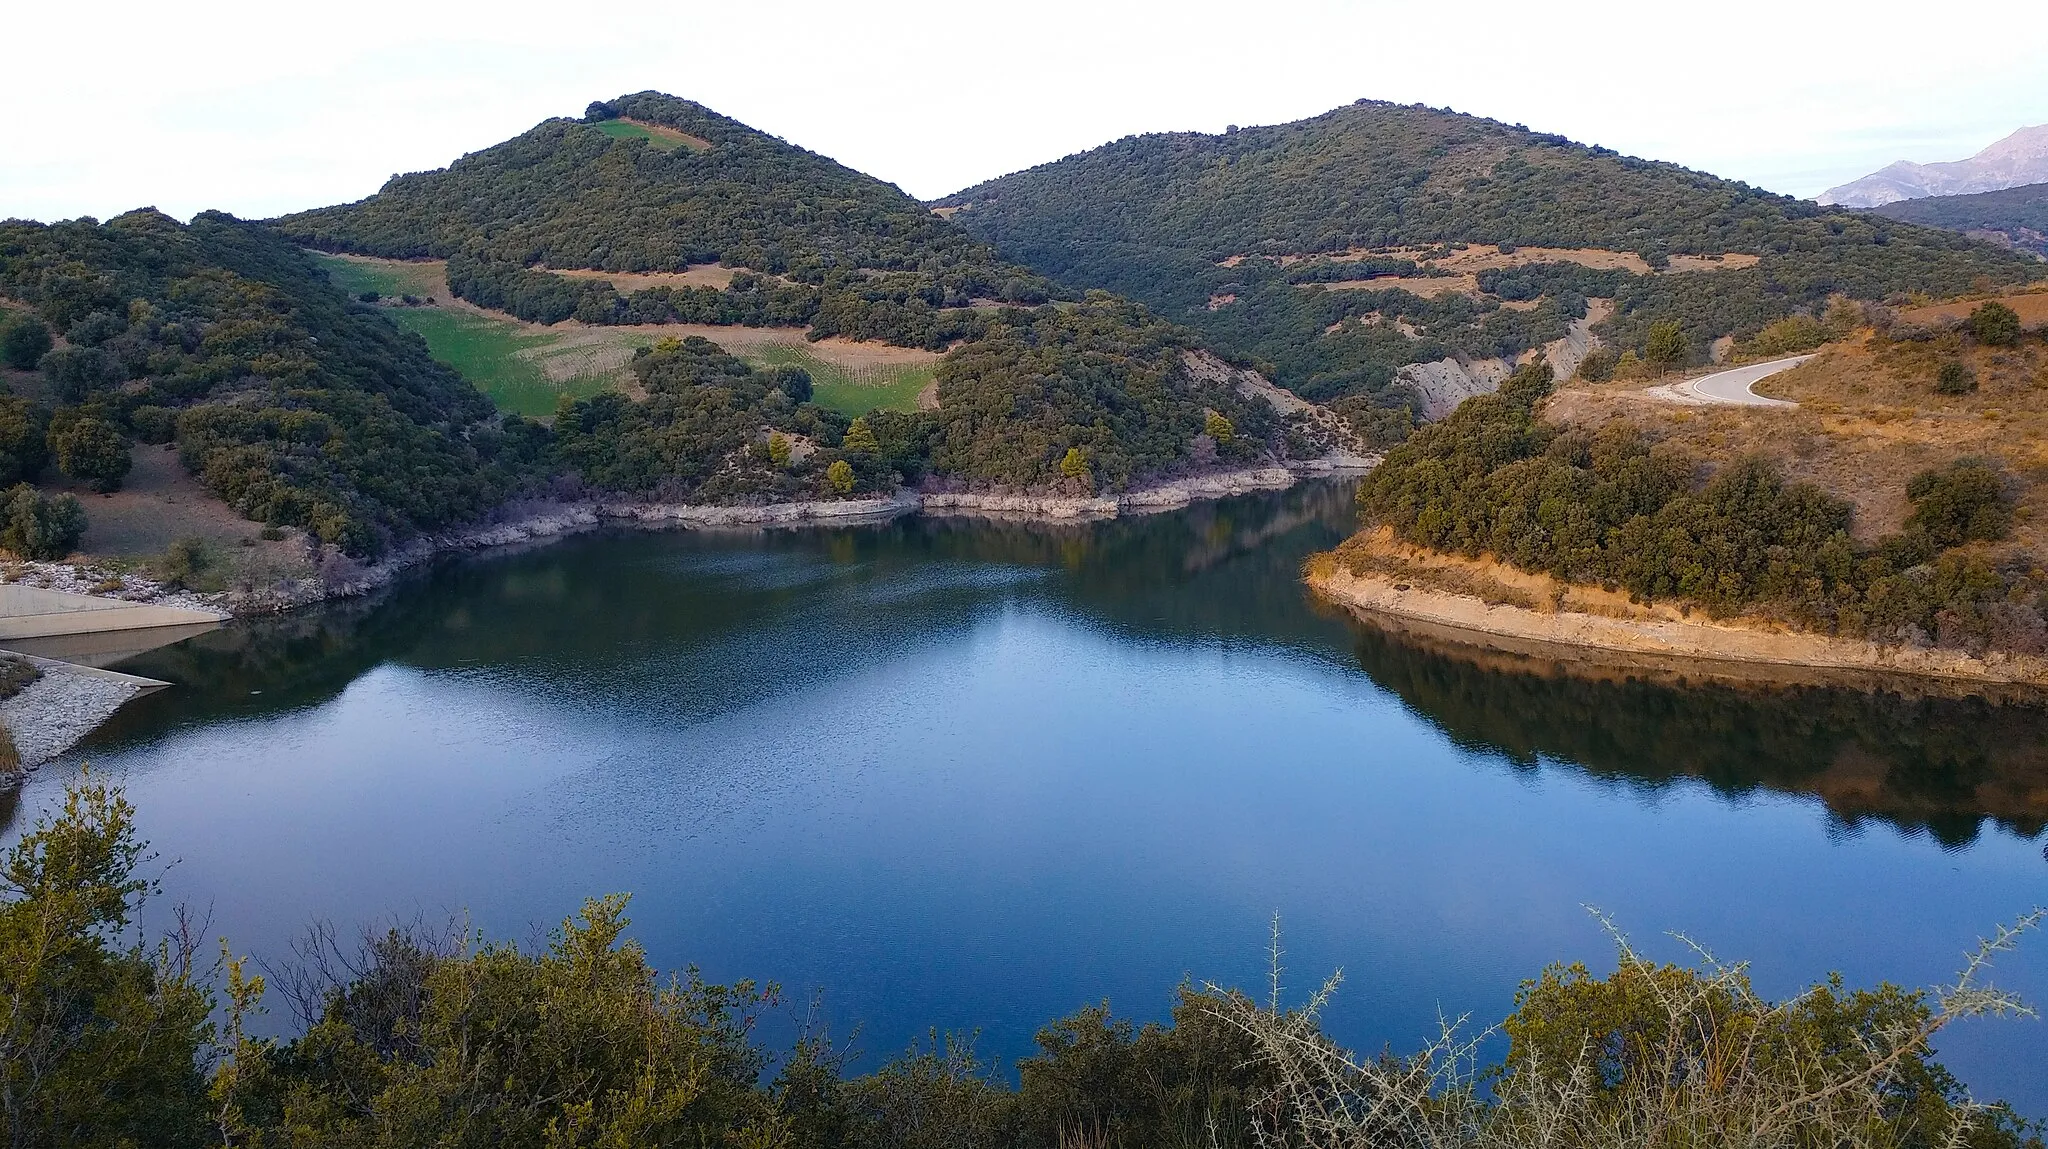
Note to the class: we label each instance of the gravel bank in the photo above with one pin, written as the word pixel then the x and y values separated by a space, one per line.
pixel 64 705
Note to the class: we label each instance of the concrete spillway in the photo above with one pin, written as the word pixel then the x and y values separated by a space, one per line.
pixel 32 612
pixel 70 638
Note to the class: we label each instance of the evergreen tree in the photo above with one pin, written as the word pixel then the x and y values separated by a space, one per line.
pixel 839 477
pixel 90 450
pixel 860 438
pixel 100 1039
pixel 1665 347
pixel 23 341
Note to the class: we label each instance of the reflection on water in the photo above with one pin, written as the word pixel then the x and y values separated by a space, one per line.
pixel 722 628
pixel 972 775
pixel 1932 763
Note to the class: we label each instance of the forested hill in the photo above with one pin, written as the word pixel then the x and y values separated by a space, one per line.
pixel 300 407
pixel 1370 187
pixel 2019 215
pixel 653 183
pixel 296 406
pixel 1365 176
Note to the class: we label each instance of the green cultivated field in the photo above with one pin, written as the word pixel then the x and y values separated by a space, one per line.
pixel 850 390
pixel 486 351
pixel 504 358
pixel 621 130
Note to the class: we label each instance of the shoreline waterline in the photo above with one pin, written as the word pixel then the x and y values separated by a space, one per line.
pixel 1705 649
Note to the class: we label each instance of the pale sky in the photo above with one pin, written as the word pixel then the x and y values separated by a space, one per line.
pixel 263 108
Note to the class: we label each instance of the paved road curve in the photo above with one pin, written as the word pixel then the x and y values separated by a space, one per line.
pixel 1731 387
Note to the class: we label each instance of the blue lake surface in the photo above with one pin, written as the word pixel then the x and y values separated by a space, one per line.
pixel 971 776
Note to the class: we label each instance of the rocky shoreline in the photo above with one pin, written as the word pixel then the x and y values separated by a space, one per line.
pixel 51 714
pixel 541 521
pixel 54 713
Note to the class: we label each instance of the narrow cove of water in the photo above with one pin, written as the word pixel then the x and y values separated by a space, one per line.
pixel 975 775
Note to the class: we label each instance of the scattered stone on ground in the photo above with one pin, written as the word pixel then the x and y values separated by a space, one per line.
pixel 52 713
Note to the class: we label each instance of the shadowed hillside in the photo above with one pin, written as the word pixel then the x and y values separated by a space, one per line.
pixel 2016 216
pixel 295 406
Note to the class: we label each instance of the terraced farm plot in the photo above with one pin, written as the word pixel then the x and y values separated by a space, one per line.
pixel 526 368
pixel 507 360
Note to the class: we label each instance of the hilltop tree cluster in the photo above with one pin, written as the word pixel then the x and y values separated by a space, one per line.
pixel 828 247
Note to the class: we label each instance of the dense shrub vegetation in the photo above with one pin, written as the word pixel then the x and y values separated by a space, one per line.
pixel 1066 400
pixel 1090 397
pixel 1329 344
pixel 301 407
pixel 839 251
pixel 296 406
pixel 702 432
pixel 1608 507
pixel 34 525
pixel 1150 217
pixel 414 1039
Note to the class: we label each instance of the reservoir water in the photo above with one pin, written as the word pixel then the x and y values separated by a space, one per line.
pixel 970 776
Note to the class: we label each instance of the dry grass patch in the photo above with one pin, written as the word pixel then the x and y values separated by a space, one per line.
pixel 1868 419
pixel 1475 258
pixel 159 504
pixel 1426 286
pixel 626 282
pixel 2031 305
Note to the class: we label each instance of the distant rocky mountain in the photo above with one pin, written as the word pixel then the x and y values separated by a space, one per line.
pixel 2015 217
pixel 2020 158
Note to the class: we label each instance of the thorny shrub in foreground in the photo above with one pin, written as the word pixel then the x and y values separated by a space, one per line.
pixel 1651 1056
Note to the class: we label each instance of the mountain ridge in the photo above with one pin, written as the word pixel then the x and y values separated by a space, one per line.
pixel 2018 159
pixel 1337 251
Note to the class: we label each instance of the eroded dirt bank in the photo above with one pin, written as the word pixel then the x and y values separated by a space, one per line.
pixel 1490 605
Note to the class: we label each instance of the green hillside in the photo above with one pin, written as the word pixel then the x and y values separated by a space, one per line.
pixel 1079 395
pixel 299 391
pixel 837 251
pixel 1329 199
pixel 293 404
pixel 2020 214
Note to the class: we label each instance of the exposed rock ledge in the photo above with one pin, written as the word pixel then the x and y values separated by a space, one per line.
pixel 1659 640
pixel 1149 500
